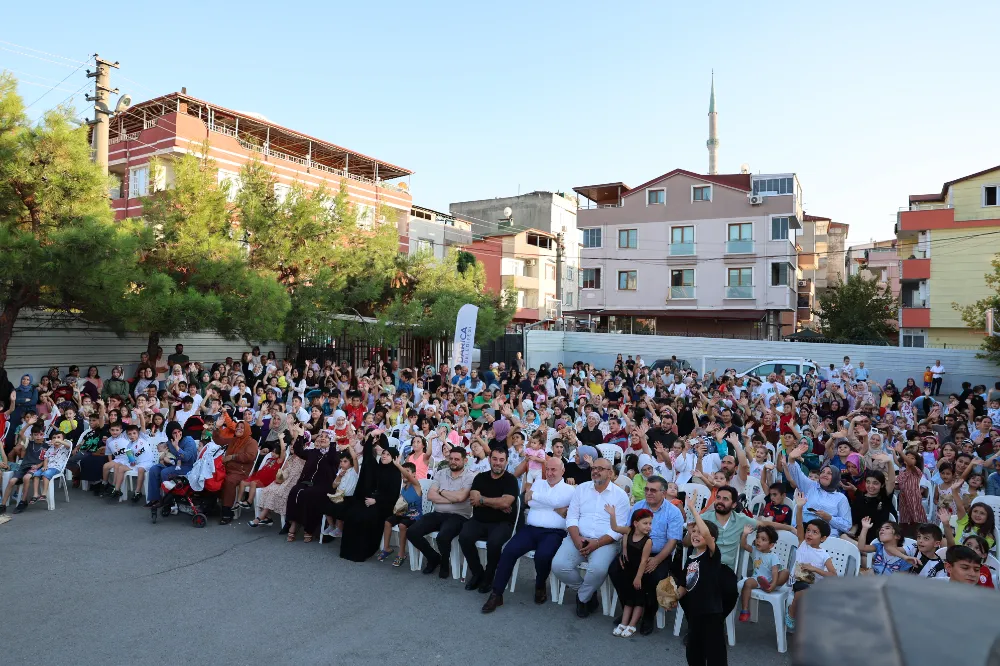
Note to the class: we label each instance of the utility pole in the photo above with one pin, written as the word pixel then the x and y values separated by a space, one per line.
pixel 559 274
pixel 102 111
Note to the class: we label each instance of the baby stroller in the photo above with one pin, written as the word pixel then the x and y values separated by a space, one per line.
pixel 187 501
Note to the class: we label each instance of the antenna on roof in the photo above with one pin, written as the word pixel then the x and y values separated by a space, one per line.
pixel 744 168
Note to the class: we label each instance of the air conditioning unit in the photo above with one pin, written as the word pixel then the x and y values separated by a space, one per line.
pixel 802 283
pixel 756 199
pixel 531 262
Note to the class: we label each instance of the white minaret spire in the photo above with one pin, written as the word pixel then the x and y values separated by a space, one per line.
pixel 713 133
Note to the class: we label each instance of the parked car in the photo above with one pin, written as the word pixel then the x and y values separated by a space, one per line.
pixel 795 366
pixel 672 364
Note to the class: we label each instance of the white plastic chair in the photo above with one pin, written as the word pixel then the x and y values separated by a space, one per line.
pixel 553 581
pixel 416 557
pixel 777 599
pixel 756 504
pixel 753 489
pixel 928 501
pixel 994 503
pixel 50 496
pixel 609 451
pixel 702 493
pixel 605 591
pixel 842 553
pixel 907 544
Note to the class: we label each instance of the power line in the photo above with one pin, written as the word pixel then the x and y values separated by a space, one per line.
pixel 40 97
pixel 54 55
pixel 29 55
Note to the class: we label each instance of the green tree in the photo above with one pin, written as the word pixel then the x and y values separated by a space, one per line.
pixel 61 249
pixel 975 315
pixel 196 275
pixel 859 309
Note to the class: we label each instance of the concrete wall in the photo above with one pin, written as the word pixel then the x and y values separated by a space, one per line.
pixel 37 345
pixel 882 362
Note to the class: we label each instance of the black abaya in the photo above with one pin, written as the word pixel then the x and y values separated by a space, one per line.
pixel 363 524
pixel 314 483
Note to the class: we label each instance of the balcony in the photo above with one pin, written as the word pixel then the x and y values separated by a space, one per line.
pixel 681 249
pixel 739 247
pixel 682 292
pixel 921 220
pixel 916 317
pixel 916 269
pixel 744 291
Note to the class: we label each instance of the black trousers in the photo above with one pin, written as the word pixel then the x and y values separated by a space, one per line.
pixel 447 525
pixel 494 534
pixel 706 643
pixel 936 386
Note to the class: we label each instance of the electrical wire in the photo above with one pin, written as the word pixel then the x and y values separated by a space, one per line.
pixel 39 98
pixel 54 55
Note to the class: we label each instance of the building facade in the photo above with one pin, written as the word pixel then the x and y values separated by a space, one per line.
pixel 946 243
pixel 433 232
pixel 176 124
pixel 551 212
pixel 523 262
pixel 691 254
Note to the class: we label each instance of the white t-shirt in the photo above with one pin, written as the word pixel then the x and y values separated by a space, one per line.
pixel 806 554
pixel 937 370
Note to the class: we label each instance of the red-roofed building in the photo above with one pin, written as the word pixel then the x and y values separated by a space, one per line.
pixel 176 124
pixel 691 254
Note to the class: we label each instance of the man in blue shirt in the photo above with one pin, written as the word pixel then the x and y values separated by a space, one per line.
pixel 461 377
pixel 185 452
pixel 861 374
pixel 668 529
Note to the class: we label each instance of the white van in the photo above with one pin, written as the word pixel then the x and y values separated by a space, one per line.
pixel 793 366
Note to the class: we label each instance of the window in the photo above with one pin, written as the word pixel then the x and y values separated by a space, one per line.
pixel 138 181
pixel 540 241
pixel 590 278
pixel 421 214
pixel 425 246
pixel 550 272
pixel 779 228
pixel 590 237
pixel 520 298
pixel 628 280
pixel 569 273
pixel 655 197
pixel 763 370
pixel 781 274
pixel 741 232
pixel 628 238
pixel 568 299
pixel 682 283
pixel 774 186
pixel 913 340
pixel 682 234
pixel 990 193
pixel 701 193
pixel 740 277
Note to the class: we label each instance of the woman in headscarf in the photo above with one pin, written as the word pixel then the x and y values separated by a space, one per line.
pixel 379 485
pixel 501 430
pixel 823 497
pixel 314 484
pixel 25 399
pixel 116 385
pixel 647 468
pixel 238 459
pixel 578 471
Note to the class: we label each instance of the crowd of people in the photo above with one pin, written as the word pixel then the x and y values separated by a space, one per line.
pixel 656 480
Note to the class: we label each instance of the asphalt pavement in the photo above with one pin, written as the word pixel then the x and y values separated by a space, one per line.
pixel 96 582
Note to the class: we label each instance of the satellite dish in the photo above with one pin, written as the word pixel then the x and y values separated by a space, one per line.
pixel 508 212
pixel 124 102
pixel 744 168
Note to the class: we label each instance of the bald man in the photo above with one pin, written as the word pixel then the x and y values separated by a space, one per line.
pixel 543 532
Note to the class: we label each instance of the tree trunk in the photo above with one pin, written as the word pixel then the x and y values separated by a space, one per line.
pixel 8 317
pixel 151 346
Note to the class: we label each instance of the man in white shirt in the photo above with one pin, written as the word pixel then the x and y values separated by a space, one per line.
pixel 771 387
pixel 938 375
pixel 298 410
pixel 590 537
pixel 189 407
pixel 544 530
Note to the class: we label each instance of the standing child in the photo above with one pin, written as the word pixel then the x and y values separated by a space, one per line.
pixel 810 558
pixel 535 453
pixel 633 559
pixel 766 567
pixel 928 377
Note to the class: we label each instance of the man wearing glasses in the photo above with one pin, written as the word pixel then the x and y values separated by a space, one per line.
pixel 590 538
pixel 668 530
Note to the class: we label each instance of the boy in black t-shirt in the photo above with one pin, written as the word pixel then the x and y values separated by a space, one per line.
pixel 699 591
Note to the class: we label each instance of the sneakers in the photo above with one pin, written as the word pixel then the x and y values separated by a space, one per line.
pixel 789 622
pixel 383 555
pixel 3 509
pixel 115 494
pixel 744 616
pixel 135 498
pixel 21 506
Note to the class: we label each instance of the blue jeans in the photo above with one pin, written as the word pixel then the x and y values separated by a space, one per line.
pixel 544 541
pixel 158 474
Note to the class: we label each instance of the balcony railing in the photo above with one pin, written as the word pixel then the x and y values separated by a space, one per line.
pixel 681 249
pixel 744 291
pixel 739 247
pixel 682 292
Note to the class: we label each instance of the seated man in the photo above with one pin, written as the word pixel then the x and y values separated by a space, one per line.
pixel 492 496
pixel 668 529
pixel 543 531
pixel 450 494
pixel 590 537
pixel 32 443
pixel 185 452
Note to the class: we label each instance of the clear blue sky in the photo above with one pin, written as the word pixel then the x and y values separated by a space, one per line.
pixel 866 101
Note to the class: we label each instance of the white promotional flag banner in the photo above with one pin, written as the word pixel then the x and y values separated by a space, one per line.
pixel 465 335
